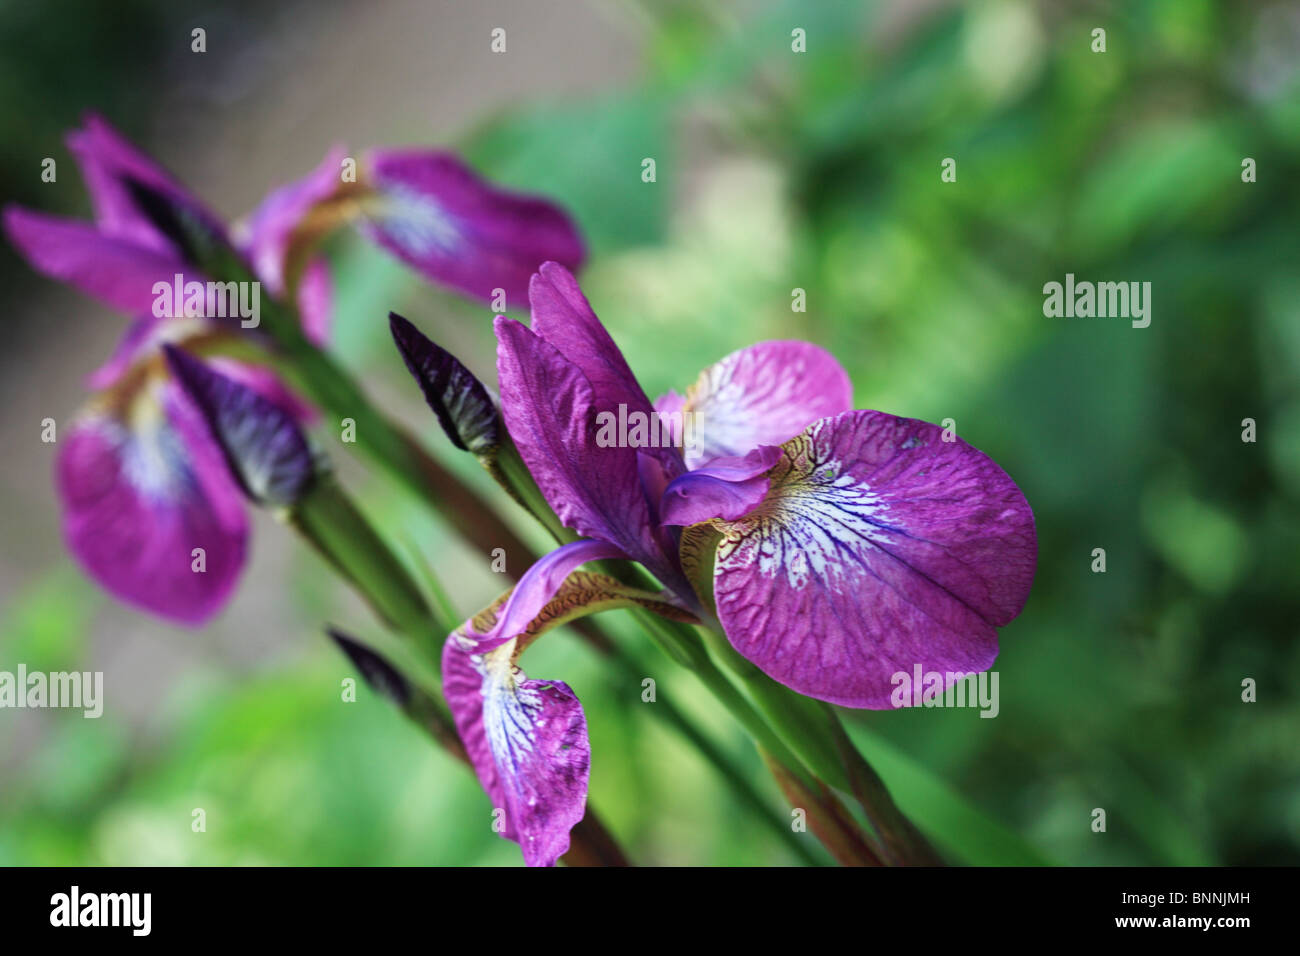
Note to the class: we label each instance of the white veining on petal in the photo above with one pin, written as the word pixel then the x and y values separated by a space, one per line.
pixel 510 711
pixel 816 523
pixel 726 395
pixel 414 222
pixel 154 459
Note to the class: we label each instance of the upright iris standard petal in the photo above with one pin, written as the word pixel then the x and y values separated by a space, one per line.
pixel 150 510
pixel 110 164
pixel 115 271
pixel 438 216
pixel 879 547
pixel 549 409
pixel 462 403
pixel 562 316
pixel 763 395
pixel 728 488
pixel 266 451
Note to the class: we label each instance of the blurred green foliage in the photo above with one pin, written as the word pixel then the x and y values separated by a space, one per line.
pixel 821 171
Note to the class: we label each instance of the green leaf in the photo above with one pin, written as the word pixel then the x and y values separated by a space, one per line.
pixel 958 827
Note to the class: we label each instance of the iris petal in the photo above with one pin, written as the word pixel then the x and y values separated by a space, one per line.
pixel 563 317
pixel 879 547
pixel 540 584
pixel 549 409
pixel 727 488
pixel 108 160
pixel 434 213
pixel 139 497
pixel 527 740
pixel 763 395
pixel 116 271
pixel 269 231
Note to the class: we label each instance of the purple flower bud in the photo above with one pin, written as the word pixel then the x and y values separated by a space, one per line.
pixel 263 445
pixel 464 407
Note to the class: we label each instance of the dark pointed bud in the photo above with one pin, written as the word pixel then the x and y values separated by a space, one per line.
pixel 200 240
pixel 464 407
pixel 382 676
pixel 266 450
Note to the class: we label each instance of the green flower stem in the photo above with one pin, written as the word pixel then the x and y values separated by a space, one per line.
pixel 730 772
pixel 329 520
pixel 813 730
pixel 683 640
pixel 833 825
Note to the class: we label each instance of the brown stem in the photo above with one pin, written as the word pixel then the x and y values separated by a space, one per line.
pixel 904 843
pixel 829 819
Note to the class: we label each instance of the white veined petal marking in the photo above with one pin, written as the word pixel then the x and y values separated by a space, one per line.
pixel 510 711
pixel 154 459
pixel 414 222
pixel 731 392
pixel 817 522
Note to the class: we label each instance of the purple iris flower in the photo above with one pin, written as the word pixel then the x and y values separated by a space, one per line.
pixel 845 546
pixel 429 210
pixel 149 509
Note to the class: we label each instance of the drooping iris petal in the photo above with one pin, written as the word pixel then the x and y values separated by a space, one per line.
pixel 879 547
pixel 108 163
pixel 438 216
pixel 727 488
pixel 462 403
pixel 115 271
pixel 527 741
pixel 141 495
pixel 538 587
pixel 260 441
pixel 763 395
pixel 548 407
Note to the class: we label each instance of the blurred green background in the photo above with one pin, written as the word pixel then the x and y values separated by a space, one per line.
pixel 775 171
